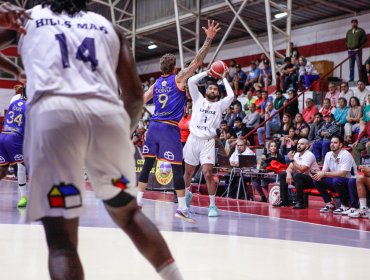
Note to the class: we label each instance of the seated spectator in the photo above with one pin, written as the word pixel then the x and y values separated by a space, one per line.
pixel 317 124
pixel 346 92
pixel 306 72
pixel 272 125
pixel 241 149
pixel 227 116
pixel 292 108
pixel 326 108
pixel 223 132
pixel 367 73
pixel 332 94
pixel 302 129
pixel 298 173
pixel 236 101
pixel 289 75
pixel 265 78
pixel 251 121
pixel 309 112
pixel 362 185
pixel 286 124
pixel 236 132
pixel 238 80
pixel 279 102
pixel 266 98
pixel 288 143
pixel 361 92
pixel 365 114
pixel 273 154
pixel 335 176
pixel 259 101
pixel 353 118
pixel 362 143
pixel 340 114
pixel 237 112
pixel 232 70
pixel 252 77
pixel 249 100
pixel 323 137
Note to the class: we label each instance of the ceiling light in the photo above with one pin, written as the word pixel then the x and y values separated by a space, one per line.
pixel 152 46
pixel 281 15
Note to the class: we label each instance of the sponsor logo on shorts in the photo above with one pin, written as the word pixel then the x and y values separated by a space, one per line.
pixel 2 160
pixel 145 149
pixel 168 155
pixel 163 172
pixel 120 183
pixel 64 196
pixel 18 157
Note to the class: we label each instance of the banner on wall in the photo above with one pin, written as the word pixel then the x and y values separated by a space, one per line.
pixel 160 177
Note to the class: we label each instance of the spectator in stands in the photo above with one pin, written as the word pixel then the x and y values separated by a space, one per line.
pixel 236 132
pixel 362 143
pixel 307 73
pixel 266 98
pixel 184 123
pixel 294 51
pixel 249 100
pixel 309 112
pixel 286 124
pixel 272 125
pixel 298 173
pixel 367 72
pixel 288 143
pixel 317 124
pixel 354 116
pixel 236 101
pixel 340 114
pixel 365 114
pixel 346 92
pixel 302 129
pixel 228 116
pixel 232 70
pixel 361 92
pixel 237 112
pixel 335 176
pixel 265 77
pixel 355 38
pixel 327 108
pixel 259 101
pixel 239 79
pixel 289 74
pixel 241 149
pixel 272 154
pixel 332 94
pixel 252 77
pixel 136 140
pixel 223 132
pixel 279 102
pixel 251 121
pixel 363 185
pixel 292 108
pixel 323 136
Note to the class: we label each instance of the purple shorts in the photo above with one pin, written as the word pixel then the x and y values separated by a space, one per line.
pixel 11 148
pixel 163 141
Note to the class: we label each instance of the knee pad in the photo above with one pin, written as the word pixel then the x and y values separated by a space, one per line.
pixel 145 171
pixel 121 199
pixel 21 174
pixel 178 177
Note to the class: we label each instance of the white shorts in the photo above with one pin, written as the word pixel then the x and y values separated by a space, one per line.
pixel 64 135
pixel 198 150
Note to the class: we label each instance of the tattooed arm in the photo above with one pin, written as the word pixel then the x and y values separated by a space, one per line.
pixel 186 73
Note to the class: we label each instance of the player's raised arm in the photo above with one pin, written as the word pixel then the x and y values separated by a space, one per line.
pixel 186 73
pixel 128 79
pixel 226 101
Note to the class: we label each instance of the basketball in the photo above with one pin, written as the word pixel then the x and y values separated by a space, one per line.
pixel 217 69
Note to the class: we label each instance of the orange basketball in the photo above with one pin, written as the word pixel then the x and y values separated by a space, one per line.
pixel 218 68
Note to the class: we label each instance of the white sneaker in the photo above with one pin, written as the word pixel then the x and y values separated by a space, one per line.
pixel 340 210
pixel 329 207
pixel 359 213
pixel 349 211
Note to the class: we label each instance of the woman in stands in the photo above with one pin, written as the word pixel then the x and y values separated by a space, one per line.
pixel 302 129
pixel 307 72
pixel 288 143
pixel 354 116
pixel 292 108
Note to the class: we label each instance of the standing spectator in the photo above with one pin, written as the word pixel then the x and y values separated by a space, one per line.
pixel 239 79
pixel 362 143
pixel 252 77
pixel 332 94
pixel 251 121
pixel 323 136
pixel 298 172
pixel 340 113
pixel 354 116
pixel 335 176
pixel 327 108
pixel 265 78
pixel 184 123
pixel 279 102
pixel 361 92
pixel 292 108
pixel 363 186
pixel 272 125
pixel 302 129
pixel 309 112
pixel 232 70
pixel 355 38
pixel 249 100
pixel 345 92
pixel 307 72
pixel 289 74
pixel 317 124
pixel 293 50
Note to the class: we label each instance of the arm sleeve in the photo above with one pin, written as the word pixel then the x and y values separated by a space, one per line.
pixel 193 87
pixel 226 101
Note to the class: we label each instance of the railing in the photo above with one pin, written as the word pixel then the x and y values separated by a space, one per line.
pixel 298 95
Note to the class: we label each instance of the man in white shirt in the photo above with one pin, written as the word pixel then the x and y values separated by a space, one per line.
pixel 200 146
pixel 361 92
pixel 345 92
pixel 298 173
pixel 336 173
pixel 241 149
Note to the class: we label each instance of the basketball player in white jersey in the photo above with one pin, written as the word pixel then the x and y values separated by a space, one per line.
pixel 206 118
pixel 74 61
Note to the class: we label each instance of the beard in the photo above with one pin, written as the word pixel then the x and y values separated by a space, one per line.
pixel 211 97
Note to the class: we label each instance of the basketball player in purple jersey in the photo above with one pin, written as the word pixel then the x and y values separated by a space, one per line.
pixel 75 119
pixel 163 138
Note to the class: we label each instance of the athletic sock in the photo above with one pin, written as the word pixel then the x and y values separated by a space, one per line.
pixel 170 272
pixel 139 197
pixel 22 189
pixel 22 178
pixel 182 203
pixel 187 190
pixel 362 203
pixel 212 200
